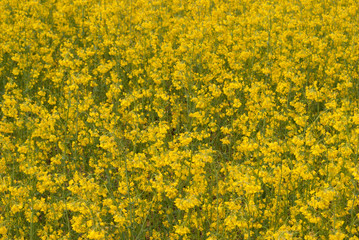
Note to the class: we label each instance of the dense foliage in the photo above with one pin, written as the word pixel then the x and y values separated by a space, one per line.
pixel 178 119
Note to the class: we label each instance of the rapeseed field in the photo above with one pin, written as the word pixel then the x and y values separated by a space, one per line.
pixel 179 119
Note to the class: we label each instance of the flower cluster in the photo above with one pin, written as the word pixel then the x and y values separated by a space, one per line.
pixel 170 119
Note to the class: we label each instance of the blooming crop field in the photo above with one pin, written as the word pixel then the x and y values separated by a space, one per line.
pixel 179 119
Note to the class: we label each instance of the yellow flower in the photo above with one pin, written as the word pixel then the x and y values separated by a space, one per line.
pixel 93 234
pixel 181 230
pixel 3 230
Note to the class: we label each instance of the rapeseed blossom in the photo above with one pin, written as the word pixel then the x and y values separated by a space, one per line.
pixel 173 119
